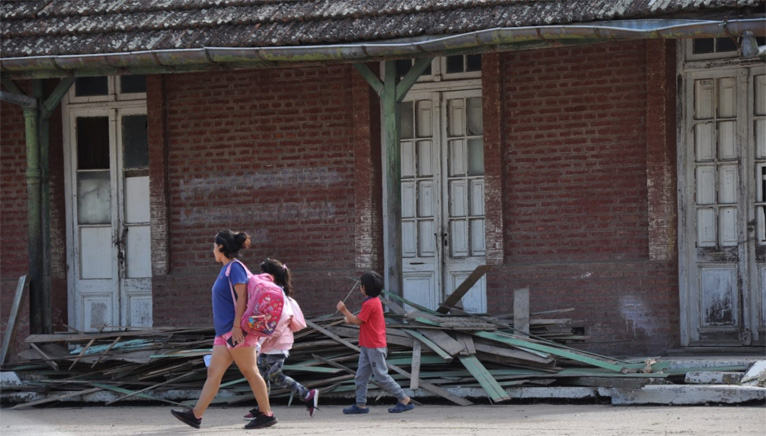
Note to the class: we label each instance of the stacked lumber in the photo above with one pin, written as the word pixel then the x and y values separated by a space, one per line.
pixel 432 353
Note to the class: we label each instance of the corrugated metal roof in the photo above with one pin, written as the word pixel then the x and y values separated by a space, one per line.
pixel 39 28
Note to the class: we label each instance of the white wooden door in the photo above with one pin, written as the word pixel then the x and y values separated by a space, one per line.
pixel 442 196
pixel 757 218
pixel 724 281
pixel 463 207
pixel 108 204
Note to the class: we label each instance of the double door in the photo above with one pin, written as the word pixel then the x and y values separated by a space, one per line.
pixel 442 183
pixel 108 218
pixel 723 277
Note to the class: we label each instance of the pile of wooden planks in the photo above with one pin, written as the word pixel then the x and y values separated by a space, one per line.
pixel 430 352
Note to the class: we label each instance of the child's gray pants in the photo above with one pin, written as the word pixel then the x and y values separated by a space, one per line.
pixel 373 361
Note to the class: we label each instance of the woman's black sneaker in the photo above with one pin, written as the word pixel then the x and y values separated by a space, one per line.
pixel 261 421
pixel 187 417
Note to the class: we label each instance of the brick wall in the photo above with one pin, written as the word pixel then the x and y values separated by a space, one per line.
pixel 13 215
pixel 269 152
pixel 576 228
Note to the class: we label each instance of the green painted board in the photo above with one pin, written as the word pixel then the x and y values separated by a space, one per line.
pixel 554 350
pixel 430 344
pixel 410 303
pixel 485 379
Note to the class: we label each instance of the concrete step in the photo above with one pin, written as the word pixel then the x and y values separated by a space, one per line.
pixel 713 377
pixel 675 395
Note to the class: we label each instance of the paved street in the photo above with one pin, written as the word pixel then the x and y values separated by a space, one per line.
pixel 516 420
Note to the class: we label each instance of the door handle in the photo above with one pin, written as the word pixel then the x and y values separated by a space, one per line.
pixel 445 239
pixel 751 225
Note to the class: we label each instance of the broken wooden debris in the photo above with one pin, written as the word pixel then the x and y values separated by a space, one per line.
pixel 11 327
pixel 427 351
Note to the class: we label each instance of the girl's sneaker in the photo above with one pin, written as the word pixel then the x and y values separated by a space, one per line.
pixel 187 417
pixel 312 401
pixel 355 410
pixel 261 421
pixel 251 414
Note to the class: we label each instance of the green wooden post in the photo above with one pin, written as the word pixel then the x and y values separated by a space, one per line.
pixel 392 225
pixel 34 227
pixel 45 111
pixel 391 94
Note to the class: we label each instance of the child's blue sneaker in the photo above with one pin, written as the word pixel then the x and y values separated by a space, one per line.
pixel 401 407
pixel 355 410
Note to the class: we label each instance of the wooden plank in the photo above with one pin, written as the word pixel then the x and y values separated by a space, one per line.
pixel 12 326
pixel 82 337
pixel 463 288
pixel 117 339
pixel 174 379
pixel 495 392
pixel 411 77
pixel 82 353
pixel 444 341
pixel 433 388
pixel 415 367
pixel 393 307
pixel 430 344
pixel 407 342
pixel 611 365
pixel 371 78
pixel 47 359
pixel 467 342
pixel 512 353
pixel 402 300
pixel 521 311
pixel 128 391
pixel 56 398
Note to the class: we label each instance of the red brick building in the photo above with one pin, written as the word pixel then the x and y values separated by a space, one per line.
pixel 590 156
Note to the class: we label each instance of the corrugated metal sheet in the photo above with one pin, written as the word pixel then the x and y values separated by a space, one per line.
pixel 36 28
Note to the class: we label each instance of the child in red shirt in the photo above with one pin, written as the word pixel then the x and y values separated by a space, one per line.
pixel 373 348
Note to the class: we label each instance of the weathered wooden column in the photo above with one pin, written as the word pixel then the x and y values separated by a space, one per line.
pixel 391 94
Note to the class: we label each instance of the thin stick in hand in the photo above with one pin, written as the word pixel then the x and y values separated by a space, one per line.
pixel 349 294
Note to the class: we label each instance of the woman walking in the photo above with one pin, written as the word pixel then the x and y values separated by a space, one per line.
pixel 230 344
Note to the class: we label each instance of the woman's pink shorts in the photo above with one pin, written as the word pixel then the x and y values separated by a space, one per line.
pixel 250 341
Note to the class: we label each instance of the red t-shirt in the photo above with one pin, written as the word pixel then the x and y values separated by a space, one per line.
pixel 372 332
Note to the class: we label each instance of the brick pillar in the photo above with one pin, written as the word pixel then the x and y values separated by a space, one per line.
pixel 368 188
pixel 661 176
pixel 492 113
pixel 158 173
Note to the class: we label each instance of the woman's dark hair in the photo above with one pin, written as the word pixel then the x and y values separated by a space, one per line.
pixel 372 282
pixel 280 273
pixel 231 242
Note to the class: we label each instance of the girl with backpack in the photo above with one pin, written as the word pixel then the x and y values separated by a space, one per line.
pixel 276 348
pixel 230 344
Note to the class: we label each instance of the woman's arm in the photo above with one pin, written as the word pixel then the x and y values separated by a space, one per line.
pixel 236 331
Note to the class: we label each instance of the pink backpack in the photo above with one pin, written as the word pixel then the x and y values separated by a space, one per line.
pixel 265 301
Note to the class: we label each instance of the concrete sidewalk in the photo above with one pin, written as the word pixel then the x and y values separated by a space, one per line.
pixel 497 420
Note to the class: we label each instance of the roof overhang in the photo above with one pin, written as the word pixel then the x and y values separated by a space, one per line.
pixel 496 39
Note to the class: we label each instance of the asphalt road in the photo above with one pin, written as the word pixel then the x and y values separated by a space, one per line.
pixel 515 420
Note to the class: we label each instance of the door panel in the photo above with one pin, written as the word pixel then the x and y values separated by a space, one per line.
pixel 464 202
pixel 758 218
pixel 134 225
pixel 421 256
pixel 725 286
pixel 110 218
